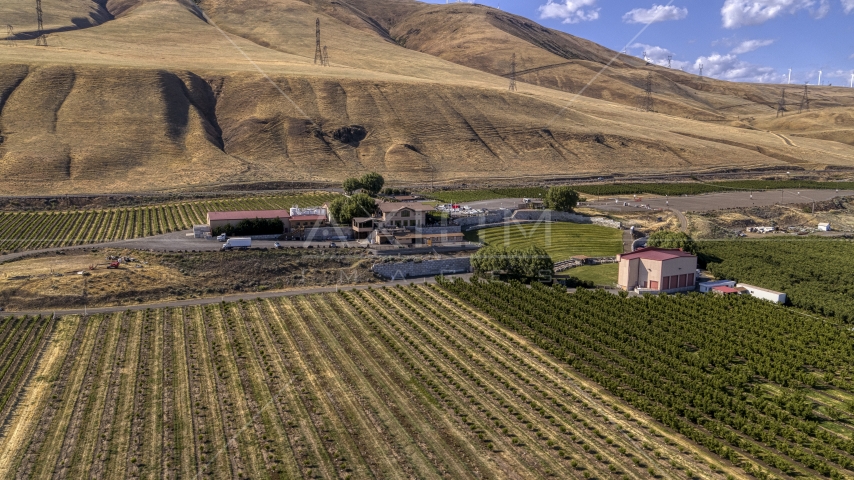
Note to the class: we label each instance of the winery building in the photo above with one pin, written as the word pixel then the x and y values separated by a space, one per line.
pixel 657 270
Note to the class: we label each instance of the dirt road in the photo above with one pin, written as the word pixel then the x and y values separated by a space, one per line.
pixel 226 298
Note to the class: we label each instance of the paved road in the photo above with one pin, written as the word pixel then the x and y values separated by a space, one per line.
pixel 172 242
pixel 228 298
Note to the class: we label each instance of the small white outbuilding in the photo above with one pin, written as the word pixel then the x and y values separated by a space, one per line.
pixel 764 294
pixel 824 227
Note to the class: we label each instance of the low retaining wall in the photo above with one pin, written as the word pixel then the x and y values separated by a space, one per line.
pixel 553 216
pixel 323 234
pixel 427 268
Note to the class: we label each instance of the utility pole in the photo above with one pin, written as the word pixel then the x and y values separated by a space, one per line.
pixel 318 53
pixel 41 40
pixel 513 73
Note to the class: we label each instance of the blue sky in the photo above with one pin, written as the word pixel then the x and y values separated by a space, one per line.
pixel 738 40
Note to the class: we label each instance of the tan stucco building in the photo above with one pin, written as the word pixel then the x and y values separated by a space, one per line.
pixel 657 270
pixel 404 215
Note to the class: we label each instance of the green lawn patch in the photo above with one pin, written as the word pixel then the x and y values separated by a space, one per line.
pixel 561 240
pixel 600 275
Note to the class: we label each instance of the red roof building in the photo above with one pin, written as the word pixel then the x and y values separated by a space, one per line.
pixel 657 270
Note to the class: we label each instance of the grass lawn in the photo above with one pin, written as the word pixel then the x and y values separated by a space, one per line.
pixel 561 240
pixel 600 275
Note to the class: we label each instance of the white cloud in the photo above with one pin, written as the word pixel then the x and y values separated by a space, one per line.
pixel 750 45
pixel 658 13
pixel 740 13
pixel 729 67
pixel 657 55
pixel 570 11
pixel 848 5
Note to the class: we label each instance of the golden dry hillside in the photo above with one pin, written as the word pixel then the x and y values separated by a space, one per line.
pixel 144 95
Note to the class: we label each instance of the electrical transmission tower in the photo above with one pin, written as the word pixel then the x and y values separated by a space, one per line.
pixel 701 69
pixel 646 103
pixel 805 101
pixel 318 53
pixel 670 61
pixel 10 36
pixel 513 73
pixel 41 40
pixel 781 105
pixel 325 62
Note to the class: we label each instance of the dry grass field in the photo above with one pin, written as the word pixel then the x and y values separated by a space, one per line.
pixel 136 95
pixel 52 281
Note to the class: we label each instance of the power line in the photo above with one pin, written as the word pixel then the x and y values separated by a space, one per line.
pixel 41 40
pixel 513 73
pixel 318 53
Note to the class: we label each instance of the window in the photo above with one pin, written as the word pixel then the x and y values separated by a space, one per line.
pixel 405 213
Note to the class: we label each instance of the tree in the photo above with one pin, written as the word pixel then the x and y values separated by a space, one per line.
pixel 372 182
pixel 665 239
pixel 561 199
pixel 351 185
pixel 344 209
pixel 530 262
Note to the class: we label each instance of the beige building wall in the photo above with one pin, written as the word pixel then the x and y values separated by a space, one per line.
pixel 651 274
pixel 405 218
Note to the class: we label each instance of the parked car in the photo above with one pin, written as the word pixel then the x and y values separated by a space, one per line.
pixel 277 245
pixel 223 237
pixel 333 245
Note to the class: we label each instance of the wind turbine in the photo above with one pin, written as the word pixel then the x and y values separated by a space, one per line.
pixel 819 78
pixel 852 80
pixel 790 77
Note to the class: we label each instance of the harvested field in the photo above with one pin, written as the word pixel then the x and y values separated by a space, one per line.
pixel 388 383
pixel 52 281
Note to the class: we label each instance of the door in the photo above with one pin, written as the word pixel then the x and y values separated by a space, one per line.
pixel 653 285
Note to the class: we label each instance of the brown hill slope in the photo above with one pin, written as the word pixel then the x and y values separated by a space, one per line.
pixel 484 38
pixel 156 98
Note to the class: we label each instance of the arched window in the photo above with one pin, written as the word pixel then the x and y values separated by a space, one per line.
pixel 405 213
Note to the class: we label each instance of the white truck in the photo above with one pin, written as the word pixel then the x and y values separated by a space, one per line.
pixel 241 243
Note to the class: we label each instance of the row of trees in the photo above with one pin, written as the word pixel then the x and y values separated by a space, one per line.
pixel 814 273
pixel 527 263
pixel 734 374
